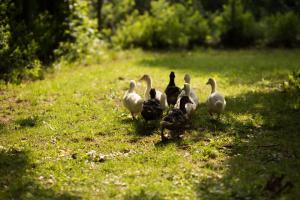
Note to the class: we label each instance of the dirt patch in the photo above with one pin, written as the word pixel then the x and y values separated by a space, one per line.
pixel 5 119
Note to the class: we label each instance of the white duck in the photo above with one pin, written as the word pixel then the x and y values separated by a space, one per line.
pixel 187 79
pixel 132 101
pixel 215 102
pixel 159 95
pixel 192 94
pixel 190 107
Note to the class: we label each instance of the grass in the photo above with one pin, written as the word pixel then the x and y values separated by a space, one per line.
pixel 48 127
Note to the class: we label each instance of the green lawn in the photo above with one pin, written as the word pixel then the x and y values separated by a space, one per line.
pixel 47 128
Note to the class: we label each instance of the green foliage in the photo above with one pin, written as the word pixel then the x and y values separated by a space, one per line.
pixel 215 26
pixel 18 59
pixel 238 25
pixel 34 34
pixel 293 82
pixel 29 34
pixel 165 25
pixel 136 30
pixel 282 29
pixel 85 44
pixel 115 12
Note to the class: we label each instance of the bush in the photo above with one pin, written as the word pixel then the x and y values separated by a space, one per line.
pixel 164 26
pixel 18 59
pixel 28 36
pixel 215 25
pixel 282 29
pixel 136 30
pixel 237 25
pixel 85 44
pixel 114 13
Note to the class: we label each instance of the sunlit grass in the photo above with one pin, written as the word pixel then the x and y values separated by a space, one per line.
pixel 49 126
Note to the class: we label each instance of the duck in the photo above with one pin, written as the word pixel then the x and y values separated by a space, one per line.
pixel 147 78
pixel 151 109
pixel 187 79
pixel 176 119
pixel 132 101
pixel 172 91
pixel 192 94
pixel 190 107
pixel 216 101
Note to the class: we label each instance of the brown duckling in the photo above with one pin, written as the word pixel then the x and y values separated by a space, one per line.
pixel 152 109
pixel 177 119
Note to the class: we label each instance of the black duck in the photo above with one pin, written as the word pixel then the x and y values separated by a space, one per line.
pixel 172 91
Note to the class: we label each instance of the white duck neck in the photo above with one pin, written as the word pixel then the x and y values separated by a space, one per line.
pixel 149 86
pixel 188 91
pixel 213 86
pixel 131 89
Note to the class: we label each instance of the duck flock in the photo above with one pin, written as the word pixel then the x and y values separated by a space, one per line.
pixel 179 104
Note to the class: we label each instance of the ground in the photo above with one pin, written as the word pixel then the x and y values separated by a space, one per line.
pixel 69 137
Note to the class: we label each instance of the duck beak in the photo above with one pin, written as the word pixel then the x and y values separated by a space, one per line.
pixel 207 83
pixel 141 79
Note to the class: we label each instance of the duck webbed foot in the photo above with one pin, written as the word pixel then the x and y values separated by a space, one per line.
pixel 133 116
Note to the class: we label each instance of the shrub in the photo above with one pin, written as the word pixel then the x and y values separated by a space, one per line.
pixel 238 26
pixel 136 30
pixel 85 45
pixel 164 26
pixel 282 29
pixel 114 13
pixel 215 26
pixel 28 36
pixel 18 59
pixel 178 25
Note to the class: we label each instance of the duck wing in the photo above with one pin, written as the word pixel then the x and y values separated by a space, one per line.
pixel 194 97
pixel 176 119
pixel 172 93
pixel 151 110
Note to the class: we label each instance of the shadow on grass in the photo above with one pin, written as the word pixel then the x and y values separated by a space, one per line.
pixel 264 156
pixel 2 127
pixel 27 122
pixel 200 122
pixel 15 183
pixel 141 127
pixel 142 195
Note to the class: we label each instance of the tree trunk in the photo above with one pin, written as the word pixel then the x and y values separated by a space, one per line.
pixel 99 14
pixel 29 10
